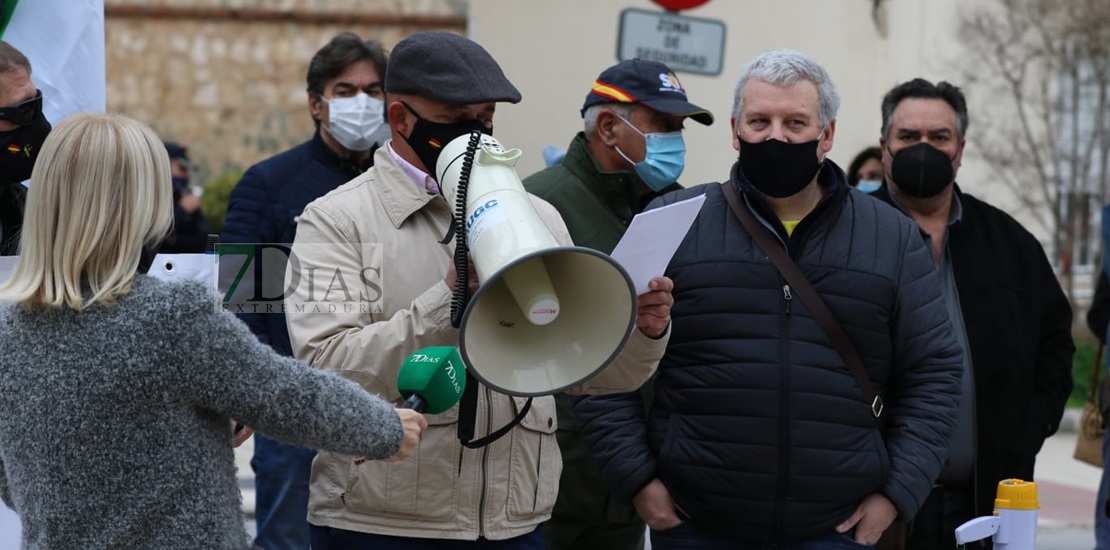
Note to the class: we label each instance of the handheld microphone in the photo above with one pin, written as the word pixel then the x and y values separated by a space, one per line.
pixel 432 380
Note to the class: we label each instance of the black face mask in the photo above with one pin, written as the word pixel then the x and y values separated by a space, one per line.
pixel 779 169
pixel 428 138
pixel 921 170
pixel 20 147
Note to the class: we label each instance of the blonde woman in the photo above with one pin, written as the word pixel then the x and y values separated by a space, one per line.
pixel 116 388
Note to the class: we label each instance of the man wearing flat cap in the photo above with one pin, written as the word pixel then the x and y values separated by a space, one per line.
pixel 378 239
pixel 630 152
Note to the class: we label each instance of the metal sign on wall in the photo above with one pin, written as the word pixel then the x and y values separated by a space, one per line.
pixel 683 43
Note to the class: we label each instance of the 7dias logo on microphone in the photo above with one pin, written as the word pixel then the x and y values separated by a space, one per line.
pixel 316 278
pixel 450 371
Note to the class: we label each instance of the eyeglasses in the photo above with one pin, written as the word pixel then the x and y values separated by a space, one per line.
pixel 24 112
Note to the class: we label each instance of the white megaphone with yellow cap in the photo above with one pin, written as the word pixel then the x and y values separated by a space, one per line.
pixel 1013 525
pixel 546 317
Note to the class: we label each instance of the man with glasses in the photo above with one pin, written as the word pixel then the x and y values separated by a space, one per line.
pixel 23 128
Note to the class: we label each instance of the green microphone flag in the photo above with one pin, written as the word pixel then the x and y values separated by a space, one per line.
pixel 434 375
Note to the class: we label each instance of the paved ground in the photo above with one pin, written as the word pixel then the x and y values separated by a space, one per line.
pixel 1067 489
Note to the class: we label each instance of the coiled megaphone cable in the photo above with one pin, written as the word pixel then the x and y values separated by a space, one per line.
pixel 461 297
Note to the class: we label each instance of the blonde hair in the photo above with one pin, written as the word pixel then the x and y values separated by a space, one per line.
pixel 100 192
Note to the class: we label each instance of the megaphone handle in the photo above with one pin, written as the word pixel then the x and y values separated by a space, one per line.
pixel 462 253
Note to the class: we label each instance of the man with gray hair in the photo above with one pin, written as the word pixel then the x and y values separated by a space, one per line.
pixel 808 390
pixel 23 128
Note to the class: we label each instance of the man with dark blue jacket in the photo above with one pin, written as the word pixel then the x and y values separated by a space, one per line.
pixel 759 433
pixel 344 99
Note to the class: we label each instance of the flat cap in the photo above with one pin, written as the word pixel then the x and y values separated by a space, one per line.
pixel 446 67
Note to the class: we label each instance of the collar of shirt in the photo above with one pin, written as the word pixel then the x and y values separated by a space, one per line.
pixel 421 179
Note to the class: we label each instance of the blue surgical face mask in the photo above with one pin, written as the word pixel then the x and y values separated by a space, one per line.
pixel 869 186
pixel 664 159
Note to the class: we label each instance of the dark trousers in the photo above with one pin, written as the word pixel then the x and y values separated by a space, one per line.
pixel 329 538
pixel 281 475
pixel 687 536
pixel 946 508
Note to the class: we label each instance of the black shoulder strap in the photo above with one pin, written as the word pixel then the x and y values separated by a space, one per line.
pixel 798 281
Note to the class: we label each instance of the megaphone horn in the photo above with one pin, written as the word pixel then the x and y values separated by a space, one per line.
pixel 546 317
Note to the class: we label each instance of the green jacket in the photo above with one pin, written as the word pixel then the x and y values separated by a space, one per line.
pixel 597 207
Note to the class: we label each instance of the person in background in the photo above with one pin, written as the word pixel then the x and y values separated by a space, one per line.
pixel 634 110
pixel 23 128
pixel 117 389
pixel 759 435
pixel 190 228
pixel 1098 320
pixel 388 225
pixel 1007 308
pixel 866 171
pixel 344 98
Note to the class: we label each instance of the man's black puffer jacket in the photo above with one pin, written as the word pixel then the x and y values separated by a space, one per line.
pixel 759 430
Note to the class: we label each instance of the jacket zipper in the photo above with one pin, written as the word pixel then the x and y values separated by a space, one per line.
pixel 485 465
pixel 784 413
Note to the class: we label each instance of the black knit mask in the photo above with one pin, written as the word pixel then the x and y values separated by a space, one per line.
pixel 779 169
pixel 20 147
pixel 428 138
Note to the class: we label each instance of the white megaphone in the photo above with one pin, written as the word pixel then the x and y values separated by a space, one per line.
pixel 546 317
pixel 1013 525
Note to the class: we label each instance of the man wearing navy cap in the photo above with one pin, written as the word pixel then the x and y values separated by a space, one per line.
pixel 190 228
pixel 386 227
pixel 630 152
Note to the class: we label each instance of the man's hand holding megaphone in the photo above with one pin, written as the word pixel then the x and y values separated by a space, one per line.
pixel 452 278
pixel 653 311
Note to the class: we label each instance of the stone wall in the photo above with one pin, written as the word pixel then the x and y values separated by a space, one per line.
pixel 227 78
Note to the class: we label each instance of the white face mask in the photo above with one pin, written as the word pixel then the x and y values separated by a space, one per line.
pixel 357 122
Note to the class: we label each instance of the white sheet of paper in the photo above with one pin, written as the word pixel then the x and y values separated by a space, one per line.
pixel 7 265
pixel 168 267
pixel 652 239
pixel 183 267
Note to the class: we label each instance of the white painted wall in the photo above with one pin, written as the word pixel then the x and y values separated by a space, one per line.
pixel 553 51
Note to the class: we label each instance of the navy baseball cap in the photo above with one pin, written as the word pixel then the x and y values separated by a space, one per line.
pixel 650 83
pixel 179 153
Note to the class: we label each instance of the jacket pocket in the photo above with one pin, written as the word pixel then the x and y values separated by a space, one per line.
pixel 424 486
pixel 534 462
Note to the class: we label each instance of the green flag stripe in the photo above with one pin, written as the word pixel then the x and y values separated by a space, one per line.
pixel 6 9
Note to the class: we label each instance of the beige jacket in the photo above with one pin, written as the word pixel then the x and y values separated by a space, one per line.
pixel 382 226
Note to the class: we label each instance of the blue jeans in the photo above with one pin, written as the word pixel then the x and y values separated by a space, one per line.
pixel 687 536
pixel 330 538
pixel 1102 523
pixel 281 494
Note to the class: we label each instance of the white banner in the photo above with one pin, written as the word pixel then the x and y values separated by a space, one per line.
pixel 64 40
